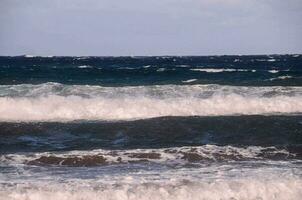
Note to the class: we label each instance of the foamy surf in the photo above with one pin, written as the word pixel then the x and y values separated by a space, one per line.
pixel 245 188
pixel 56 102
pixel 125 178
pixel 165 156
pixel 210 182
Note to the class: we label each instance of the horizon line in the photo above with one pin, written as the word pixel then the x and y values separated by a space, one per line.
pixel 163 55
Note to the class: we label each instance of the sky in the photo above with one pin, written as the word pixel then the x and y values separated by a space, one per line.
pixel 150 27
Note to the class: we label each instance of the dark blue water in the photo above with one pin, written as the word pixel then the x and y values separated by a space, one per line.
pixel 125 71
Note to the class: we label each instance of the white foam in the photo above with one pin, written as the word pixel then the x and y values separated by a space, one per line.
pixel 250 188
pixel 241 180
pixel 273 71
pixel 183 66
pixel 81 58
pixel 189 81
pixel 173 155
pixel 84 66
pixel 161 69
pixel 56 102
pixel 281 78
pixel 214 70
pixel 33 56
pixel 271 60
pixel 30 56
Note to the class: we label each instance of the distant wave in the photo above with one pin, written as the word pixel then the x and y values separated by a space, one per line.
pixel 33 56
pixel 220 70
pixel 266 60
pixel 281 78
pixel 161 69
pixel 84 66
pixel 216 70
pixel 189 81
pixel 273 71
pixel 271 60
pixel 56 102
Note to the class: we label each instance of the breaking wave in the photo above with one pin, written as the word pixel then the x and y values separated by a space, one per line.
pixel 167 156
pixel 57 102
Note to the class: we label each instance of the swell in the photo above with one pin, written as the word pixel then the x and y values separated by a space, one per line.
pixel 279 131
pixel 56 102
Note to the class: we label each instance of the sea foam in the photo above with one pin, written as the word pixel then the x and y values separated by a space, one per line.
pixel 240 188
pixel 214 70
pixel 56 102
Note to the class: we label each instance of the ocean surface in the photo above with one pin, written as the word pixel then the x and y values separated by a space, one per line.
pixel 137 128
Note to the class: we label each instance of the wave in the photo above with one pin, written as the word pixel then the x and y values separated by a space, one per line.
pixel 271 60
pixel 220 70
pixel 281 78
pixel 189 81
pixel 214 70
pixel 167 156
pixel 34 56
pixel 266 60
pixel 84 66
pixel 65 176
pixel 162 69
pixel 56 102
pixel 29 56
pixel 273 71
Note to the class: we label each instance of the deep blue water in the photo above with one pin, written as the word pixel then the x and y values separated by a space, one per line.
pixel 122 71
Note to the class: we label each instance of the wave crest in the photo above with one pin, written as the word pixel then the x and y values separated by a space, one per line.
pixel 166 156
pixel 56 102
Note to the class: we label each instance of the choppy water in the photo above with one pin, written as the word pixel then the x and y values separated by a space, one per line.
pixel 212 127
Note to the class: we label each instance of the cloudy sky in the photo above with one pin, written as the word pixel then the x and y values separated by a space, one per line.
pixel 150 27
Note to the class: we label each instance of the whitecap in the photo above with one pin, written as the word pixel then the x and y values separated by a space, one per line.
pixel 161 70
pixel 84 66
pixel 30 56
pixel 189 81
pixel 217 70
pixel 271 60
pixel 273 71
pixel 281 78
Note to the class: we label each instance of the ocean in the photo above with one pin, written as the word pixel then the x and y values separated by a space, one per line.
pixel 138 128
